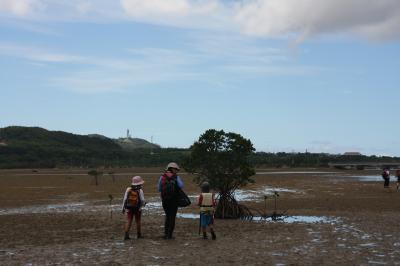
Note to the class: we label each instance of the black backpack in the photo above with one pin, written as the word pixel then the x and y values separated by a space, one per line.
pixel 169 189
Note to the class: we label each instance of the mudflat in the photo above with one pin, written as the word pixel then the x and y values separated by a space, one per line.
pixel 58 216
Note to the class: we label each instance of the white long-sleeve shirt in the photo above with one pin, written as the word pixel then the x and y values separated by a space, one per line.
pixel 141 196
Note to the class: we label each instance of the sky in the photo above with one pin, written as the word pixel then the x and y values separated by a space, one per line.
pixel 290 75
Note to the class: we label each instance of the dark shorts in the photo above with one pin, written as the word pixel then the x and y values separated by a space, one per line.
pixel 137 214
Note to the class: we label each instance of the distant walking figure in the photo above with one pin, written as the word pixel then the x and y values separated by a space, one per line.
pixel 168 185
pixel 398 179
pixel 132 204
pixel 386 177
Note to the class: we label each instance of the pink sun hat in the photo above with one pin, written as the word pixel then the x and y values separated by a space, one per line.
pixel 137 180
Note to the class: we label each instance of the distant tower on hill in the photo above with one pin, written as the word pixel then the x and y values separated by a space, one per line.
pixel 128 135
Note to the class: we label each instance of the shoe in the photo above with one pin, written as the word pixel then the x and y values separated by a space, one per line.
pixel 127 237
pixel 205 235
pixel 214 237
pixel 139 235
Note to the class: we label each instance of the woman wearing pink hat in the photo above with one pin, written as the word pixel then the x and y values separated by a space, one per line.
pixel 132 204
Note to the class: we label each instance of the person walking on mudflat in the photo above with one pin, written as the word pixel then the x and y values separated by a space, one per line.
pixel 132 205
pixel 386 177
pixel 168 185
pixel 398 180
pixel 207 205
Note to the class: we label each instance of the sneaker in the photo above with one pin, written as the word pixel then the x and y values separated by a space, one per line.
pixel 213 235
pixel 126 237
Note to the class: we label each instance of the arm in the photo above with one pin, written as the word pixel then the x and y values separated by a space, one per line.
pixel 123 201
pixel 142 201
pixel 179 181
pixel 200 200
pixel 214 202
pixel 159 184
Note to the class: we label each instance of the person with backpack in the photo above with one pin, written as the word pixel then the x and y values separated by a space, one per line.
pixel 168 186
pixel 386 177
pixel 398 180
pixel 207 204
pixel 133 203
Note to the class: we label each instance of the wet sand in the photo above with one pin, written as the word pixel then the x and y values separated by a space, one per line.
pixel 61 217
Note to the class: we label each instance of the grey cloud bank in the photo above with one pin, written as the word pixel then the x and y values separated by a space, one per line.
pixel 298 19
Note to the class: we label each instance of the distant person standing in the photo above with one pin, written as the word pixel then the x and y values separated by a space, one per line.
pixel 168 186
pixel 386 177
pixel 207 204
pixel 398 179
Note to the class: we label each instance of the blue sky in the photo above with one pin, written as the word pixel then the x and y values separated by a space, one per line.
pixel 289 75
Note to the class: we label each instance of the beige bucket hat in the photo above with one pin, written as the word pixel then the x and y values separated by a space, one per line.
pixel 137 180
pixel 173 165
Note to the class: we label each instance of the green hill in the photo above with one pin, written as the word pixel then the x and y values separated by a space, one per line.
pixel 130 144
pixel 38 147
pixel 25 137
pixel 34 147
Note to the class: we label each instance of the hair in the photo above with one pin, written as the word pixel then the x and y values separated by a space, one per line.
pixel 136 187
pixel 205 187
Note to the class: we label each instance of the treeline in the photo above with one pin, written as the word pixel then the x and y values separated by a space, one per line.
pixel 282 159
pixel 36 157
pixel 27 147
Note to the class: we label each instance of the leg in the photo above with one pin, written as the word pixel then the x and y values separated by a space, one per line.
pixel 128 224
pixel 166 221
pixel 203 224
pixel 212 232
pixel 386 183
pixel 138 218
pixel 172 216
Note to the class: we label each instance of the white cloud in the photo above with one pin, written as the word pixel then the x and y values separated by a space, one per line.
pixel 19 7
pixel 140 8
pixel 299 19
pixel 211 14
pixel 36 54
pixel 140 68
pixel 146 66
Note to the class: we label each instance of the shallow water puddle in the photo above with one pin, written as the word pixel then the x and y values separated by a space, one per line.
pixel 369 178
pixel 51 208
pixel 288 219
pixel 188 215
pixel 258 195
pixel 155 206
pixel 294 172
pixel 298 219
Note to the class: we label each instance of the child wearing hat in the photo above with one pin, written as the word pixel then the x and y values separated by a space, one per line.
pixel 207 204
pixel 132 205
